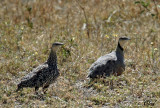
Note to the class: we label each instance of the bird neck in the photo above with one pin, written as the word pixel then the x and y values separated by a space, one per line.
pixel 119 51
pixel 52 59
pixel 119 47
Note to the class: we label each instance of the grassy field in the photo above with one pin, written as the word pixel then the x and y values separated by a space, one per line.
pixel 89 29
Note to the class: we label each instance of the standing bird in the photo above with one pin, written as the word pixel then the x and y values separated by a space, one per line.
pixel 44 74
pixel 112 63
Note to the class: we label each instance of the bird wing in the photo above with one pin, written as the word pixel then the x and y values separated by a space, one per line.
pixel 35 72
pixel 104 65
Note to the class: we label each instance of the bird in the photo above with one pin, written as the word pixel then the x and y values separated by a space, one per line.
pixel 43 75
pixel 110 64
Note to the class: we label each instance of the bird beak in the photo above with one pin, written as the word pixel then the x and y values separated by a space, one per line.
pixel 60 44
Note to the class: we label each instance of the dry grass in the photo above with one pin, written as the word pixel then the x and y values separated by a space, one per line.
pixel 89 29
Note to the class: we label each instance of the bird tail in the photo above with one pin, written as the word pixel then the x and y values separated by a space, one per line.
pixel 88 76
pixel 19 87
pixel 92 75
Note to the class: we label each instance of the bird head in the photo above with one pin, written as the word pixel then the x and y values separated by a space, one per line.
pixel 122 41
pixel 56 45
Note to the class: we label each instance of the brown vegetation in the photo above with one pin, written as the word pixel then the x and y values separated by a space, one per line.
pixel 89 29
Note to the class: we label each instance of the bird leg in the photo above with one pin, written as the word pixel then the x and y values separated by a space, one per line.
pixel 45 88
pixel 36 89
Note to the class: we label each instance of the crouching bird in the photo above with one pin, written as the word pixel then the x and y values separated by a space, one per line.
pixel 44 74
pixel 109 64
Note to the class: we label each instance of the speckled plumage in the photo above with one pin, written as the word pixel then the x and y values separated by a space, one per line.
pixel 112 63
pixel 43 75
